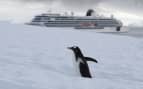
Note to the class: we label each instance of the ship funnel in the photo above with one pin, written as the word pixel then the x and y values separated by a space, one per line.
pixel 90 12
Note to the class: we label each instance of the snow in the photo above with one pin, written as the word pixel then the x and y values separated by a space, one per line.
pixel 38 58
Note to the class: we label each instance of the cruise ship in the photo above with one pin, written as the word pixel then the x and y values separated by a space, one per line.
pixel 89 21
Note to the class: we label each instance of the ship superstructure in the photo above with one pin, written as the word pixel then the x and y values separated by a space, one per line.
pixel 78 22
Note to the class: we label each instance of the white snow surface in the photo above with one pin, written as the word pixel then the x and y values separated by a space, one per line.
pixel 38 58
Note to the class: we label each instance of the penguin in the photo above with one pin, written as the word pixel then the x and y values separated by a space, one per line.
pixel 81 62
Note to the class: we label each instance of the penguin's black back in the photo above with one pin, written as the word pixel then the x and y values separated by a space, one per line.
pixel 84 70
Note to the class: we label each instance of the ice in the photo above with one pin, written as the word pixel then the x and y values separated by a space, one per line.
pixel 38 58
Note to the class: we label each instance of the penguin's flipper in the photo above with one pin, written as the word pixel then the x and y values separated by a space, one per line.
pixel 91 59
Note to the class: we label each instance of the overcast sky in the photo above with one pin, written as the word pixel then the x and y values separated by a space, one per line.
pixel 23 10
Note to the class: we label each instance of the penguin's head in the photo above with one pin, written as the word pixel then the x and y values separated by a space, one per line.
pixel 77 52
pixel 75 49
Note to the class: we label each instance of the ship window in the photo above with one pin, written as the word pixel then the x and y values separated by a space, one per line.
pixel 46 18
pixel 37 18
pixel 52 19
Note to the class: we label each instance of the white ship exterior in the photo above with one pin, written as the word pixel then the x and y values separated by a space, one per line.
pixel 78 22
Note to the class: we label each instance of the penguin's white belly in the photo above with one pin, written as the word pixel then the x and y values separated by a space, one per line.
pixel 76 65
